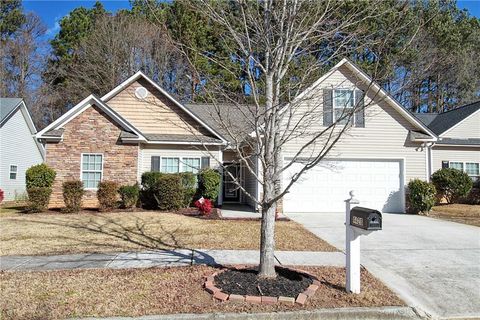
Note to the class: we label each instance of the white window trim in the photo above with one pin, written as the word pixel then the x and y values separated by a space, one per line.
pixel 183 164
pixel 180 162
pixel 172 157
pixel 10 171
pixel 352 120
pixel 81 167
pixel 464 163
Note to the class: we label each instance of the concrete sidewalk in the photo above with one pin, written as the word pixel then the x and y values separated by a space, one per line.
pixel 163 258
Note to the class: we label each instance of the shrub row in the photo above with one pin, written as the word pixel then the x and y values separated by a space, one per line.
pixel 450 184
pixel 171 191
pixel 164 191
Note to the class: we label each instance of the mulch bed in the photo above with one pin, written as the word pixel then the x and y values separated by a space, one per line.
pixel 246 282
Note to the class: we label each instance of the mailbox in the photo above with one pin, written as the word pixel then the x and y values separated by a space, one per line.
pixel 365 218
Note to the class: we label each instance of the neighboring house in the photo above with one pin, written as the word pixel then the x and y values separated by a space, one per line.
pixel 19 149
pixel 138 127
pixel 458 144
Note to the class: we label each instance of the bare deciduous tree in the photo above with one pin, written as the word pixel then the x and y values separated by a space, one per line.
pixel 279 47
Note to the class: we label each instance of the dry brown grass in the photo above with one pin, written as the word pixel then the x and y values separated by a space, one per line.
pixel 81 293
pixel 461 213
pixel 45 234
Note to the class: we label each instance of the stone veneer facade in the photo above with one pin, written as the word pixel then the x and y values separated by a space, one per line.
pixel 92 131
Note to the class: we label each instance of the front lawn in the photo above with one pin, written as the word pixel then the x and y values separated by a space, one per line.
pixel 135 292
pixel 48 234
pixel 461 213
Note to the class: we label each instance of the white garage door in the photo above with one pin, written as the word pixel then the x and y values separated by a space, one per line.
pixel 378 184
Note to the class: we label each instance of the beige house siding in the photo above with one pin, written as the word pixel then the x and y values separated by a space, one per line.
pixel 147 151
pixel 385 135
pixel 460 154
pixel 156 114
pixel 470 128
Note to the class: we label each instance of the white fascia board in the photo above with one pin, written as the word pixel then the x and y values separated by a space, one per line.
pixel 65 116
pixel 121 86
pixel 457 124
pixel 409 117
pixel 184 143
pixel 82 106
pixel 139 74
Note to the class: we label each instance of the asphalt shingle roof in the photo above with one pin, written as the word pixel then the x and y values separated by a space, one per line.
pixel 237 120
pixel 439 123
pixel 7 105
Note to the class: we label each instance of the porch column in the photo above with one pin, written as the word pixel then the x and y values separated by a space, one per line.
pixel 220 169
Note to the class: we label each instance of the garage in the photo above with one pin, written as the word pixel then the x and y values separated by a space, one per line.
pixel 378 184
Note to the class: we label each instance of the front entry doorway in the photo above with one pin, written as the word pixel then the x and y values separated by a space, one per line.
pixel 231 191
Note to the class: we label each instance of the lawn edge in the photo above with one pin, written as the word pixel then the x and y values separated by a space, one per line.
pixel 392 312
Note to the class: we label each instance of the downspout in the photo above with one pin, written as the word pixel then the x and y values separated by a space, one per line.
pixel 428 159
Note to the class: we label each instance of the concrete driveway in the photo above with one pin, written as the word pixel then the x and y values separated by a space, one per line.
pixel 433 265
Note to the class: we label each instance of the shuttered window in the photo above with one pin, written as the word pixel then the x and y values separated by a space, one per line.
pixel 155 164
pixel 339 104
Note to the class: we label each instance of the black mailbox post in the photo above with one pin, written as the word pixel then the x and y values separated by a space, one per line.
pixel 365 218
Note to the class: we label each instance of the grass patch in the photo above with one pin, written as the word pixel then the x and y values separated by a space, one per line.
pixel 46 234
pixel 135 292
pixel 461 213
pixel 12 208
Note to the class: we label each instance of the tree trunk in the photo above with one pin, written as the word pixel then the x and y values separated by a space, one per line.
pixel 267 243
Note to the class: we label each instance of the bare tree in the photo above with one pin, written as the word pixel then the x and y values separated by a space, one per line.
pixel 120 46
pixel 279 47
pixel 22 59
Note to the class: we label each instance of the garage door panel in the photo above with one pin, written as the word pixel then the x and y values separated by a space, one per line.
pixel 324 188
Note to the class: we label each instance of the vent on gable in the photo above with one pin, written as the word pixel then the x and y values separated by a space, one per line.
pixel 141 93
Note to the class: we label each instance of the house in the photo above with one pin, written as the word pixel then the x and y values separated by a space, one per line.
pixel 139 127
pixel 19 149
pixel 458 144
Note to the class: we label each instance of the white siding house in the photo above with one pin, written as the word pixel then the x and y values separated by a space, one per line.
pixel 18 147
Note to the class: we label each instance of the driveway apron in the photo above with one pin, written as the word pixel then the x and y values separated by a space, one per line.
pixel 432 264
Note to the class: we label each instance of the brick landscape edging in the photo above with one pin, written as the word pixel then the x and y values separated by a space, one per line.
pixel 301 299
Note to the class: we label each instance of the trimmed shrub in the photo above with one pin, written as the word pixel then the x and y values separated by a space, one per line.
pixel 107 195
pixel 209 183
pixel 473 197
pixel 169 192
pixel 421 196
pixel 72 195
pixel 189 185
pixel 40 176
pixel 38 198
pixel 129 196
pixel 451 184
pixel 149 185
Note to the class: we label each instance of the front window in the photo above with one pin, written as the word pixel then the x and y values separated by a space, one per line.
pixel 13 172
pixel 343 104
pixel 170 165
pixel 470 168
pixel 191 165
pixel 92 170
pixel 473 170
pixel 456 165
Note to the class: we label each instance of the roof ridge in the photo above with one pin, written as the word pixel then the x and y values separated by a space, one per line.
pixel 461 107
